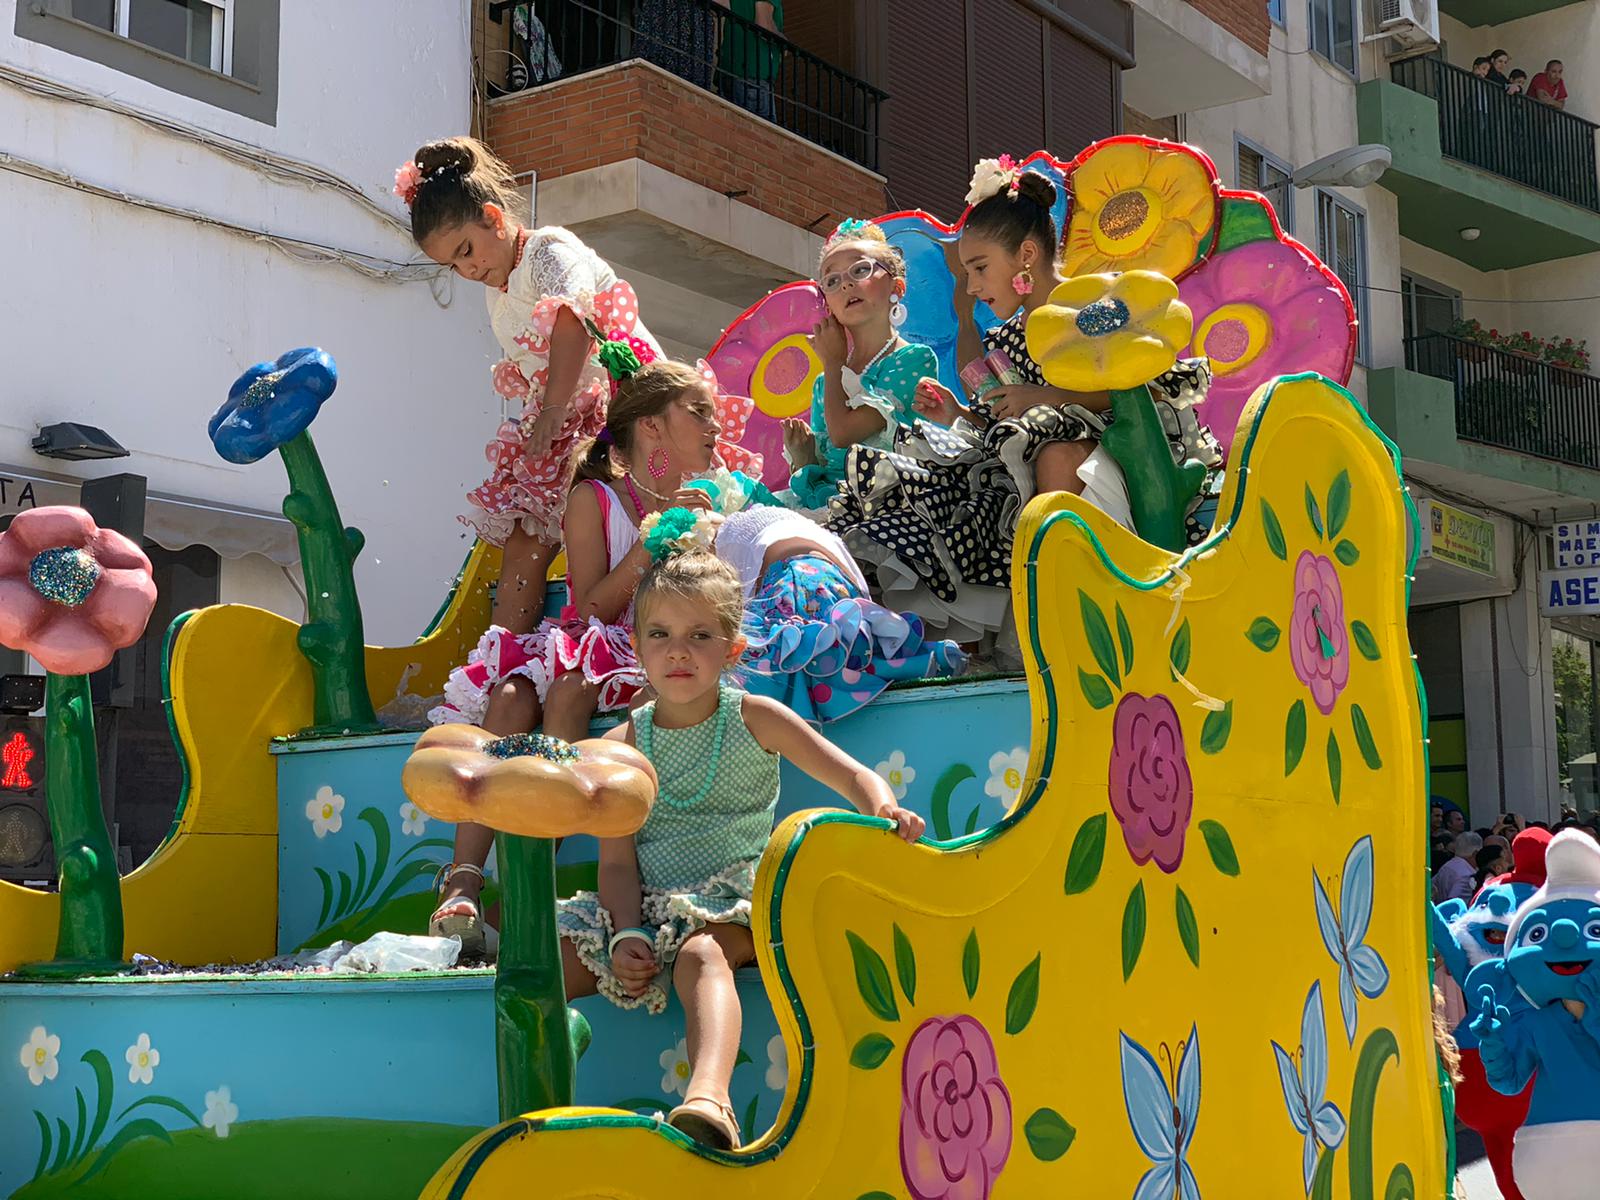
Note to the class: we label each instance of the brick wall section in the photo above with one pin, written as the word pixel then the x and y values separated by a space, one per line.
pixel 1247 20
pixel 1134 121
pixel 638 111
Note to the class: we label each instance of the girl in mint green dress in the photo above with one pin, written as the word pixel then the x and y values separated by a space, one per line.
pixel 869 373
pixel 673 907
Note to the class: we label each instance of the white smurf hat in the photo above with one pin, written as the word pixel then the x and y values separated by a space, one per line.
pixel 1572 872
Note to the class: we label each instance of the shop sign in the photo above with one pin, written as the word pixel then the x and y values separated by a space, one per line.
pixel 1459 538
pixel 1577 544
pixel 1570 593
pixel 19 493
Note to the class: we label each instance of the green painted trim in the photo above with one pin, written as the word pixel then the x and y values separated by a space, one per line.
pixel 1498 12
pixel 1047 679
pixel 449 597
pixel 186 771
pixel 1440 196
pixel 1419 412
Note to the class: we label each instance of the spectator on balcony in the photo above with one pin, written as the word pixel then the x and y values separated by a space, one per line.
pixel 1499 61
pixel 1547 86
pixel 679 36
pixel 750 61
pixel 1480 67
pixel 1519 83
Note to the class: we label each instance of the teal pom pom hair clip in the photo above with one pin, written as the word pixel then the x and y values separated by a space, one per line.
pixel 677 531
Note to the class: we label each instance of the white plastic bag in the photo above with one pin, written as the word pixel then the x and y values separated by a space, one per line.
pixel 394 952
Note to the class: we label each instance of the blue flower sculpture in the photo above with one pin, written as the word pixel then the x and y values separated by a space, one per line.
pixel 273 403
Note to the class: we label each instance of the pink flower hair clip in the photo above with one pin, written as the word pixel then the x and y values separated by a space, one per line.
pixel 407 178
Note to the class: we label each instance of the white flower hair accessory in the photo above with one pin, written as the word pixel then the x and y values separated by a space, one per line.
pixel 729 492
pixel 990 176
pixel 677 531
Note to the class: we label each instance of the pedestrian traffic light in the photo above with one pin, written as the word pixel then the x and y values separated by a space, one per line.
pixel 24 821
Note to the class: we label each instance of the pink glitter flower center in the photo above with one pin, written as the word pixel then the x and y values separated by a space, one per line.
pixel 1227 340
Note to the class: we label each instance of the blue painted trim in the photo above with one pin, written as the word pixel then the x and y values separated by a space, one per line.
pixel 122 987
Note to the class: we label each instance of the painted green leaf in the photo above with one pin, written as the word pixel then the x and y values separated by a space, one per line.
pixel 1294 737
pixel 951 778
pixel 341 906
pixel 1188 929
pixel 45 1142
pixel 1346 552
pixel 63 1147
pixel 1094 689
pixel 1088 852
pixel 742 1057
pixel 104 1087
pixel 1099 635
pixel 1400 1186
pixel 1365 642
pixel 1023 997
pixel 361 873
pixel 1368 747
pixel 1049 1136
pixel 1274 532
pixel 969 964
pixel 1335 767
pixel 875 1196
pixel 82 1126
pixel 176 1106
pixel 380 850
pixel 1338 503
pixel 870 1052
pixel 1263 633
pixel 1221 847
pixel 872 979
pixel 1214 732
pixel 1125 640
pixel 1322 1181
pixel 1313 512
pixel 1132 930
pixel 972 818
pixel 1182 647
pixel 905 964
pixel 644 1105
pixel 327 896
pixel 1243 220
pixel 144 1127
pixel 749 1126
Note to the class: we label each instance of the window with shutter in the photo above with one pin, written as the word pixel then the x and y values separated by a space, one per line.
pixel 1342 244
pixel 924 144
pixel 1010 90
pixel 1260 172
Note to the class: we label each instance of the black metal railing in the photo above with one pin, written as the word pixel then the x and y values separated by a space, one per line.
pixel 702 43
pixel 1515 402
pixel 1517 137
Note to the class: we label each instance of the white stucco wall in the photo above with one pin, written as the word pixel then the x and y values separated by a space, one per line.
pixel 138 322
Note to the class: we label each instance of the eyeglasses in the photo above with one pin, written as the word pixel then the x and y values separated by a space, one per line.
pixel 859 271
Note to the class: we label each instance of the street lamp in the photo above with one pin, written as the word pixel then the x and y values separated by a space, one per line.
pixel 1354 166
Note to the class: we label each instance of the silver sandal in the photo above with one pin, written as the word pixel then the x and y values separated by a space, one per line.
pixel 479 942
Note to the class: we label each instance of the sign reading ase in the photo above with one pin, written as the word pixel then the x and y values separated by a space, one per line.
pixel 1573 593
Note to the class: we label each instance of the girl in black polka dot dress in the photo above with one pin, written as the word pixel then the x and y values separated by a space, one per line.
pixel 934 517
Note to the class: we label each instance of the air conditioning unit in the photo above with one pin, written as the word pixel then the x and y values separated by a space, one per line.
pixel 1410 22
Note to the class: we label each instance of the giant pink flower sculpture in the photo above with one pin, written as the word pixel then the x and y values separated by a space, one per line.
pixel 1319 643
pixel 1263 309
pixel 1152 792
pixel 71 594
pixel 955 1113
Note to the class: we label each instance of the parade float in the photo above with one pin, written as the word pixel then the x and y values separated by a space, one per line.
pixel 1167 869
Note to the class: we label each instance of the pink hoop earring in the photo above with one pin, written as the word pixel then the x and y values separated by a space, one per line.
pixel 1022 282
pixel 656 472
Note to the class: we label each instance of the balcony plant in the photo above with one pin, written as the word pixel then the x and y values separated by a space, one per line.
pixel 1472 340
pixel 1524 351
pixel 1571 360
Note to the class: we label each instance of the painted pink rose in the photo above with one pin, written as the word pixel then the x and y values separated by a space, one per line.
pixel 955 1113
pixel 71 594
pixel 1152 792
pixel 1319 643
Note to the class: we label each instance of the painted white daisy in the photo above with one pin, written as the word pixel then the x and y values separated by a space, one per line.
pixel 39 1055
pixel 675 1069
pixel 412 820
pixel 324 811
pixel 896 773
pixel 777 1063
pixel 1006 772
pixel 143 1059
pixel 221 1111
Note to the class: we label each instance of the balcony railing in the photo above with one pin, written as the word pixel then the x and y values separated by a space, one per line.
pixel 1516 137
pixel 704 44
pixel 1516 403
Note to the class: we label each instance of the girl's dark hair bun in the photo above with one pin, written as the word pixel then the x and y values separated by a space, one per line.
pixel 1037 188
pixel 447 154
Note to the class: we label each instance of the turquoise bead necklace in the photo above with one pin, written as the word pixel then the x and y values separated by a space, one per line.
pixel 647 735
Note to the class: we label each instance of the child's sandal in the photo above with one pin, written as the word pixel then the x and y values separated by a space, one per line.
pixel 707 1121
pixel 479 943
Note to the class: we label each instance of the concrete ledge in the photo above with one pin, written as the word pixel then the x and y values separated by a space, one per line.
pixel 1187 61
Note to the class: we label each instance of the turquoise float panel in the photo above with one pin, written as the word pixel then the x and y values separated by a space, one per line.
pixel 354 857
pixel 232 1068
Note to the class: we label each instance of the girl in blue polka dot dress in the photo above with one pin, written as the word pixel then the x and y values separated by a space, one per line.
pixel 673 905
pixel 869 373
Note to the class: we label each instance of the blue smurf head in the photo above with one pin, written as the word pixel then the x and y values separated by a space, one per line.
pixel 1553 940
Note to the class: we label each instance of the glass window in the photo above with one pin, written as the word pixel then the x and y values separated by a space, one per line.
pixel 1259 172
pixel 197 31
pixel 1275 11
pixel 1342 244
pixel 1335 31
pixel 1427 307
pixel 1572 664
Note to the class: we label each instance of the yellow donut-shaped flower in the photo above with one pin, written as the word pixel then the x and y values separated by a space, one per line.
pixel 1109 331
pixel 1138 207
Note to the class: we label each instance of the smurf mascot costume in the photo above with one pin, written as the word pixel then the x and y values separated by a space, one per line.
pixel 1538 1017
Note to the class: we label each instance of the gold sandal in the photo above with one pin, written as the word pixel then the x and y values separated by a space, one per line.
pixel 707 1121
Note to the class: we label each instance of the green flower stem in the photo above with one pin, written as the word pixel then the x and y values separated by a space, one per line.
pixel 1159 490
pixel 332 640
pixel 537 1039
pixel 89 938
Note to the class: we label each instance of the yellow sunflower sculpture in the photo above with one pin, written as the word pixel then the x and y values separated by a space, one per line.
pixel 1109 331
pixel 1138 207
